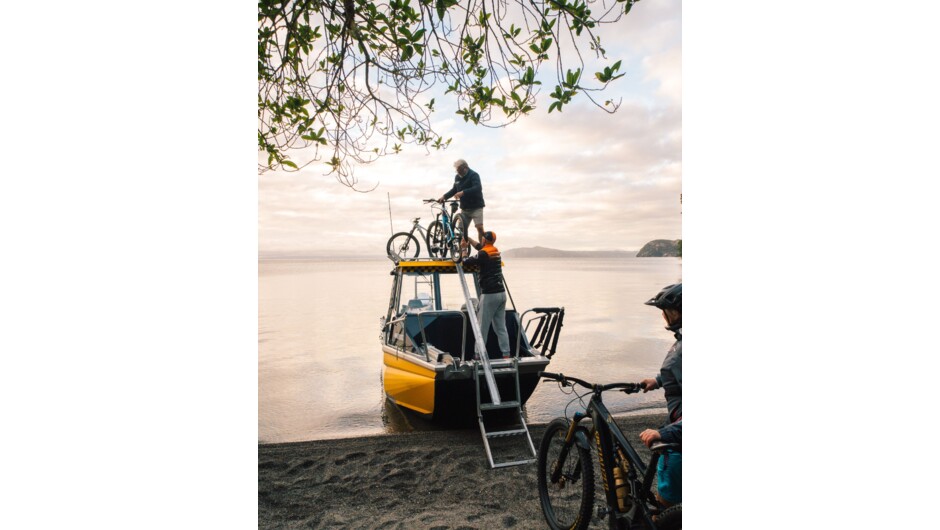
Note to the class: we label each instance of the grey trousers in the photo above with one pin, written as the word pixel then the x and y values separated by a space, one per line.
pixel 493 311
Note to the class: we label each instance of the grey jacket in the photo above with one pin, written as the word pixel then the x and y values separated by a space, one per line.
pixel 670 379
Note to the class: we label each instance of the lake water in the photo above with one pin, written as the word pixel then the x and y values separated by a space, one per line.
pixel 320 359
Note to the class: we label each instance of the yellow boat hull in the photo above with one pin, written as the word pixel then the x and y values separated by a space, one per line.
pixel 408 384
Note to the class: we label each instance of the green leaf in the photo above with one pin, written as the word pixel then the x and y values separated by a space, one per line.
pixel 407 52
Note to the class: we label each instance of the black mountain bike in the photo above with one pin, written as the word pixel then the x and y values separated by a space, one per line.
pixel 443 235
pixel 566 469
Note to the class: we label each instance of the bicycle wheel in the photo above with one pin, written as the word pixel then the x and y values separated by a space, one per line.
pixel 567 503
pixel 455 251
pixel 402 245
pixel 670 518
pixel 460 226
pixel 436 240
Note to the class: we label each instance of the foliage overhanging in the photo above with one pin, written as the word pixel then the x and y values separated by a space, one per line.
pixel 355 78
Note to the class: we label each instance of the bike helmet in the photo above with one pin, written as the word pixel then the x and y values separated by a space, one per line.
pixel 669 298
pixel 489 234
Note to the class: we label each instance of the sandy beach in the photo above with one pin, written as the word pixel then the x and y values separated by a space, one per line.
pixel 435 480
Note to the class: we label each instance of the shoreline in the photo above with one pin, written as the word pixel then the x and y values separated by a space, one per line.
pixel 437 479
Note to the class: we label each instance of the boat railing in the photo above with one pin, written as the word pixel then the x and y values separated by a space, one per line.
pixel 387 327
pixel 545 336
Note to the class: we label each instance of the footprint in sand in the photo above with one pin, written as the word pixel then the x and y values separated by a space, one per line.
pixel 405 475
pixel 301 467
pixel 348 458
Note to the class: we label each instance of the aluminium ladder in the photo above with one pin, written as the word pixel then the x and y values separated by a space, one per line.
pixel 489 373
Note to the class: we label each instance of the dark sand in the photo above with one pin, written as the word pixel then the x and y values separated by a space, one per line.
pixel 437 479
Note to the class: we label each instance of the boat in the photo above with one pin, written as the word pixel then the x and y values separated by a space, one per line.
pixel 429 345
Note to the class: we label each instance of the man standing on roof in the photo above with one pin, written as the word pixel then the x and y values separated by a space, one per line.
pixel 493 300
pixel 469 190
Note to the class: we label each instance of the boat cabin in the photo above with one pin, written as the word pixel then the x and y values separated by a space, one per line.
pixel 428 314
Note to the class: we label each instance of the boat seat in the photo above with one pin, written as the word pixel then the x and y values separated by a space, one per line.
pixel 421 303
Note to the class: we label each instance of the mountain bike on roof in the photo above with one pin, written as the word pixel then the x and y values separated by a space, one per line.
pixel 442 236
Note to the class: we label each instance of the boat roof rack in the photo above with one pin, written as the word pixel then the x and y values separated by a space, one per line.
pixel 425 265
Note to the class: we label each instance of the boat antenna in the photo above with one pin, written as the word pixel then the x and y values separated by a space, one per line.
pixel 390 229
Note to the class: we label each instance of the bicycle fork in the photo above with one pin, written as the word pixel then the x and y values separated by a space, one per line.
pixel 571 437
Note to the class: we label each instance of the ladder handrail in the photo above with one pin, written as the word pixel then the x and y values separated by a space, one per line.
pixel 480 345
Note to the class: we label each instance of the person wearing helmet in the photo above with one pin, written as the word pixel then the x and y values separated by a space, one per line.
pixel 669 378
pixel 469 190
pixel 492 309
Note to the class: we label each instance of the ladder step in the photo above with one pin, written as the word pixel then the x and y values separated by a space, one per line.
pixel 515 463
pixel 503 405
pixel 504 370
pixel 499 434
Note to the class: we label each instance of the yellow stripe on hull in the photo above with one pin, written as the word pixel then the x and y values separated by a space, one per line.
pixel 410 385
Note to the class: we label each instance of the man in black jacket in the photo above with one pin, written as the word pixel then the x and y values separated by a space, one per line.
pixel 469 190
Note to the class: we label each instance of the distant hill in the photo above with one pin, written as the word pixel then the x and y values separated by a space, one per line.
pixel 659 248
pixel 542 252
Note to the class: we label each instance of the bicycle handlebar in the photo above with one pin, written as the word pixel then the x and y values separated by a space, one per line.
pixel 626 388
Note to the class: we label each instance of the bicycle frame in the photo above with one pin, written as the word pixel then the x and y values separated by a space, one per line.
pixel 447 220
pixel 608 438
pixel 417 226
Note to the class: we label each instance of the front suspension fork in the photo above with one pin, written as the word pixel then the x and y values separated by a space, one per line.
pixel 566 447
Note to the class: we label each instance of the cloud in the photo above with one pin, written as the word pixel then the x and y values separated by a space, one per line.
pixel 666 69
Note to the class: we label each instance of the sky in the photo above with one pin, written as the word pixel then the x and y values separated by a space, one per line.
pixel 581 179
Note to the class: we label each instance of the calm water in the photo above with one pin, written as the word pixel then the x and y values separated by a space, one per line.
pixel 320 360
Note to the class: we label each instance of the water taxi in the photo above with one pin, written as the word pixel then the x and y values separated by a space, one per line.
pixel 429 345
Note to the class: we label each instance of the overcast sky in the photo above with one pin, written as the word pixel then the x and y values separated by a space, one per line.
pixel 577 180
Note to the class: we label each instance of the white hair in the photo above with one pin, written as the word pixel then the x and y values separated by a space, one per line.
pixel 460 162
